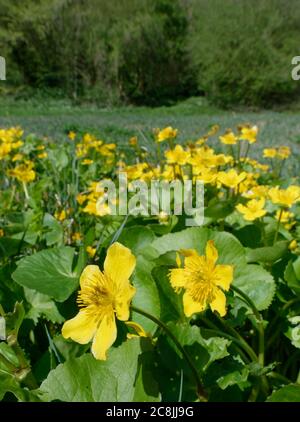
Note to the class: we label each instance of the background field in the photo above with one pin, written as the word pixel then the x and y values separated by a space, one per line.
pixel 192 117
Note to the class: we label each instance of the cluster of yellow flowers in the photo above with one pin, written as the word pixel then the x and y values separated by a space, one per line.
pixel 89 144
pixel 10 140
pixel 233 174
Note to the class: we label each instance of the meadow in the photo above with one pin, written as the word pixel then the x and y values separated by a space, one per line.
pixel 203 313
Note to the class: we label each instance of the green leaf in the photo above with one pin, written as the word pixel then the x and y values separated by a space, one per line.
pixel 137 238
pixel 219 209
pixel 288 393
pixel 9 246
pixel 229 248
pixel 49 272
pixel 292 275
pixel 215 347
pixel 257 283
pixel 146 297
pixel 14 320
pixel 41 306
pixel 2 328
pixel 268 253
pixel 170 302
pixel 146 387
pixel 85 379
pixel 55 231
pixel 8 384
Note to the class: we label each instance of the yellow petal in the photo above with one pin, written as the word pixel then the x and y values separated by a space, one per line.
pixel 81 328
pixel 140 332
pixel 105 336
pixel 119 263
pixel 177 279
pixel 211 252
pixel 190 306
pixel 188 252
pixel 223 276
pixel 90 275
pixel 219 303
pixel 123 302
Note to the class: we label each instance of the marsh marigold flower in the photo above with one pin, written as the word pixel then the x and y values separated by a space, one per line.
pixel 231 179
pixel 270 152
pixel 253 209
pixel 177 156
pixel 229 138
pixel 23 172
pixel 103 296
pixel 204 282
pixel 166 133
pixel 285 197
pixel 249 133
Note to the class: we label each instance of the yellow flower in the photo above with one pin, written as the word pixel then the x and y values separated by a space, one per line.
pixel 103 297
pixel 43 155
pixel 76 236
pixel 72 135
pixel 23 172
pixel 166 133
pixel 17 157
pixel 293 245
pixel 249 133
pixel 231 179
pixel 213 130
pixel 81 198
pixel 229 138
pixel 285 197
pixel 1 232
pixel 40 147
pixel 60 215
pixel 203 281
pixel 284 152
pixel 177 156
pixel 270 152
pixel 5 149
pixel 87 162
pixel 285 216
pixel 253 209
pixel 91 251
pixel 133 141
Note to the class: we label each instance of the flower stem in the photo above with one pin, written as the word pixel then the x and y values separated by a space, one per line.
pixel 278 225
pixel 201 392
pixel 259 327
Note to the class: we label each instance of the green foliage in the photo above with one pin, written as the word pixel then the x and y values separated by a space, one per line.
pixel 152 52
pixel 110 381
pixel 49 272
pixel 242 50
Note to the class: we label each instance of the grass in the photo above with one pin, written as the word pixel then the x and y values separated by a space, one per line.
pixel 192 117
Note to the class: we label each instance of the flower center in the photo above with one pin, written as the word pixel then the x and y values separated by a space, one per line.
pixel 97 296
pixel 201 287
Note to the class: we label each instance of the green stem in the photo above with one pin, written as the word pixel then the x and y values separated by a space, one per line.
pixel 10 367
pixel 201 392
pixel 25 368
pixel 259 327
pixel 241 340
pixel 243 344
pixel 278 225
